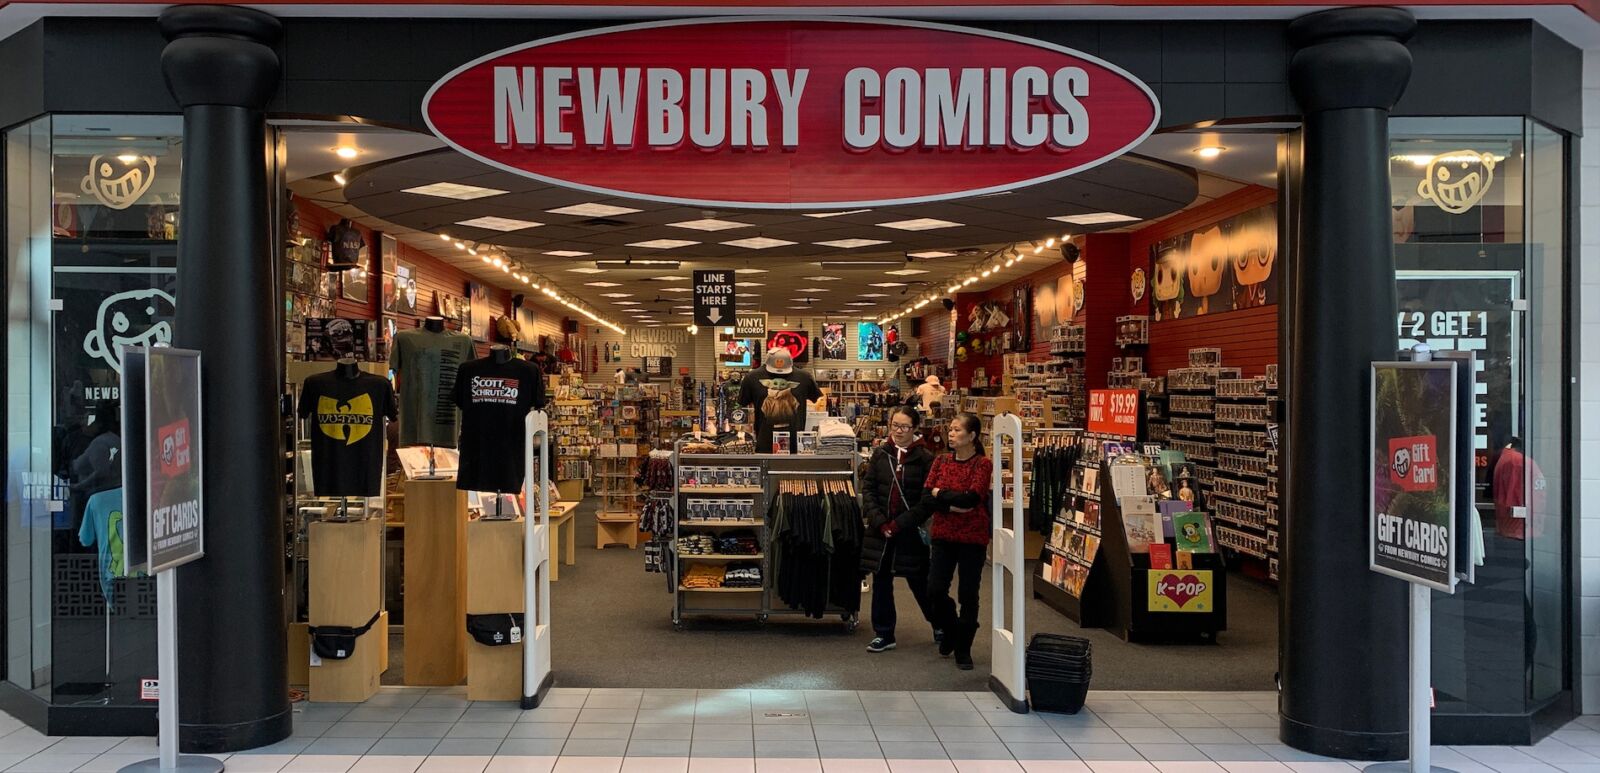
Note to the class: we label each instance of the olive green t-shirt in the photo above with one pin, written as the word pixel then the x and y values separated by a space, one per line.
pixel 425 363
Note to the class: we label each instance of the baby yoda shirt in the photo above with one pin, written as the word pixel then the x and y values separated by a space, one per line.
pixel 779 401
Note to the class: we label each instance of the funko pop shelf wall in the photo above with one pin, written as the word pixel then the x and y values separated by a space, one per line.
pixel 1248 337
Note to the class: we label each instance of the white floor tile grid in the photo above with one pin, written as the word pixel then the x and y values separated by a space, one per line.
pixel 437 730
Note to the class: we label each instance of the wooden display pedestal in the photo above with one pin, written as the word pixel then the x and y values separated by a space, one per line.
pixel 436 580
pixel 494 587
pixel 615 530
pixel 345 589
pixel 570 490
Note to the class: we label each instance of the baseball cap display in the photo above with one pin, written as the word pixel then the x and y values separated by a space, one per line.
pixel 779 361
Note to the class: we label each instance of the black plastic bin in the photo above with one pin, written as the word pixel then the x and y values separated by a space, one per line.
pixel 1059 669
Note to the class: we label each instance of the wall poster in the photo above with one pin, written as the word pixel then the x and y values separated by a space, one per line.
pixel 1055 302
pixel 405 289
pixel 1225 266
pixel 798 342
pixel 834 346
pixel 869 342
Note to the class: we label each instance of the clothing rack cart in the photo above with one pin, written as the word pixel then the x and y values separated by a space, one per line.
pixel 762 602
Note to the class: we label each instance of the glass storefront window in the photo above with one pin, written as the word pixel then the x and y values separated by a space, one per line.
pixel 94 273
pixel 1479 218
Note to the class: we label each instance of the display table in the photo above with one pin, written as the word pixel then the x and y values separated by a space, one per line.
pixel 345 587
pixel 563 515
pixel 435 583
pixel 494 587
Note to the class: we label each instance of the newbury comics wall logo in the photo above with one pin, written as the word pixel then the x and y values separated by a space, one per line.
pixel 132 318
pixel 119 188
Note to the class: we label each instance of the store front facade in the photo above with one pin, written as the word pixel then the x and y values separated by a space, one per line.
pixel 1492 266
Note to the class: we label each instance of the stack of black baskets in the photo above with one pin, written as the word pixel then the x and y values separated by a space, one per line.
pixel 1059 668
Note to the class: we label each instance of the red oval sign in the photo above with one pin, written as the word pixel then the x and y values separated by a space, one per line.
pixel 791 113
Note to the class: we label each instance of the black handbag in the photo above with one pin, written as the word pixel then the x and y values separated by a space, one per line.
pixel 495 630
pixel 337 642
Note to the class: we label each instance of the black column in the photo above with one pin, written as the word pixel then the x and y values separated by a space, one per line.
pixel 233 680
pixel 1342 627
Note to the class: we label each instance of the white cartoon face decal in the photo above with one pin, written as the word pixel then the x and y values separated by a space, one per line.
pixel 1457 180
pixel 118 183
pixel 132 318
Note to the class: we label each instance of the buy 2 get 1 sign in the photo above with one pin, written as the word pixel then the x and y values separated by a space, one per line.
pixel 791 113
pixel 1114 412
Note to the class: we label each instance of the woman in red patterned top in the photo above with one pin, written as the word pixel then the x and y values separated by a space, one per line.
pixel 957 492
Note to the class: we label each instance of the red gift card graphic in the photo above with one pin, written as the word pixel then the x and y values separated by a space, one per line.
pixel 174 445
pixel 1413 462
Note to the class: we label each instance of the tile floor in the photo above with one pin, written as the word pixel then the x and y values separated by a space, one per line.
pixel 423 730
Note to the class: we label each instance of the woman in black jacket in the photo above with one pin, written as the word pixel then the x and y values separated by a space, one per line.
pixel 893 547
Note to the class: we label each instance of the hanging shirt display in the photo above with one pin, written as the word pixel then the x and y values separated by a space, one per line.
pixel 102 528
pixel 346 428
pixel 495 398
pixel 779 401
pixel 347 243
pixel 425 364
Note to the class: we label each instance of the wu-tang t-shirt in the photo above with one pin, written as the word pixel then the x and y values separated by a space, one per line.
pixel 345 421
pixel 779 401
pixel 495 398
pixel 347 244
pixel 425 364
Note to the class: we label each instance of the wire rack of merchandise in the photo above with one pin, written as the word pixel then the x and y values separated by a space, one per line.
pixel 721 531
pixel 1245 492
pixel 1065 375
pixel 571 423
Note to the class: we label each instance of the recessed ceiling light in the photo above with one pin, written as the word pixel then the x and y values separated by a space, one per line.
pixel 758 243
pixel 822 279
pixel 920 224
pixel 680 308
pixel 602 284
pixel 813 289
pixel 874 295
pixel 346 152
pixel 861 303
pixel 454 191
pixel 836 214
pixel 669 278
pixel 801 308
pixel 592 210
pixel 906 272
pixel 616 295
pixel 499 223
pixel 638 263
pixel 749 284
pixel 663 244
pixel 751 270
pixel 888 284
pixel 709 224
pixel 749 303
pixel 1095 218
pixel 1209 151
pixel 677 289
pixel 806 300
pixel 930 254
pixel 626 303
pixel 587 270
pixel 567 253
pixel 850 243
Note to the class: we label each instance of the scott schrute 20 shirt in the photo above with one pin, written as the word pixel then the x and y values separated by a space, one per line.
pixel 494 398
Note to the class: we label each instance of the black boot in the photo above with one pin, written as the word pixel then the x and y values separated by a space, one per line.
pixel 966 632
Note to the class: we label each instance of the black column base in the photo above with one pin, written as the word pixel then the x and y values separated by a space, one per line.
pixel 1343 744
pixel 219 739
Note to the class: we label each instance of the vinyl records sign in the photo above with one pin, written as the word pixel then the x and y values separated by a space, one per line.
pixel 791 113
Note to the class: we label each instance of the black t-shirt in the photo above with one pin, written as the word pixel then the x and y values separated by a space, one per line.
pixel 494 398
pixel 779 401
pixel 347 244
pixel 346 427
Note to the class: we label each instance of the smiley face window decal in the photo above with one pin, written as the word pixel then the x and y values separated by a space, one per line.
pixel 1458 180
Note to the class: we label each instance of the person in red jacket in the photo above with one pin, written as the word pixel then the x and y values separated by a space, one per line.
pixel 957 493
